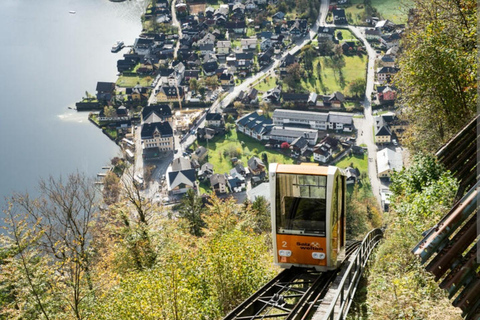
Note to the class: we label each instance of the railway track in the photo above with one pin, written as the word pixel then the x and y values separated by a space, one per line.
pixel 293 294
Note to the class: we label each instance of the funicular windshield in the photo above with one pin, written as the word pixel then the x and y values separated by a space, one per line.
pixel 301 204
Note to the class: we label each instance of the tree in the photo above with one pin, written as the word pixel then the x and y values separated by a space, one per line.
pixel 111 188
pixel 61 219
pixel 438 71
pixel 191 210
pixel 357 87
pixel 295 73
pixel 212 82
pixel 193 84
pixel 109 111
pixel 326 48
pixel 285 145
pixel 238 105
pixel 261 210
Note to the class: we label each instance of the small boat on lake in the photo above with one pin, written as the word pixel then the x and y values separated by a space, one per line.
pixel 118 46
pixel 72 12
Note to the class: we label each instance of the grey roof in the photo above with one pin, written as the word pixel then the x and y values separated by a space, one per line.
pixel 255 162
pixel 300 143
pixel 217 178
pixel 293 132
pixel 300 115
pixel 200 151
pixel 186 177
pixel 180 164
pixel 340 117
pixel 149 128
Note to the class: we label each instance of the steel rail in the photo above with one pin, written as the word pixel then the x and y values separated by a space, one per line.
pixel 298 285
pixel 348 285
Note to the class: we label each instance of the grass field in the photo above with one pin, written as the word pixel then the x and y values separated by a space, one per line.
pixel 266 84
pixel 354 68
pixel 393 10
pixel 231 143
pixel 132 81
pixel 347 35
pixel 359 162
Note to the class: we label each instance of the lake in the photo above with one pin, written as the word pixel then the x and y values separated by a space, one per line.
pixel 49 58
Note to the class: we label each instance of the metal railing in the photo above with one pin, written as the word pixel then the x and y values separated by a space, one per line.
pixel 348 285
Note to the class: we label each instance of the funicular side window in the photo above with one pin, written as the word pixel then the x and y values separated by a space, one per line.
pixel 301 204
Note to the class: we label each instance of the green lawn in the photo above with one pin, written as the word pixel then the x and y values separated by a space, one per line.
pixel 347 35
pixel 266 84
pixel 393 10
pixel 132 81
pixel 231 143
pixel 354 68
pixel 359 162
pixel 236 43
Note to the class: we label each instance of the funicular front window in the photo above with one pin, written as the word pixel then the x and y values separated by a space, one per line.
pixel 301 204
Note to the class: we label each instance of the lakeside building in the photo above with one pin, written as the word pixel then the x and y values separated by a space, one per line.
pixel 387 162
pixel 157 139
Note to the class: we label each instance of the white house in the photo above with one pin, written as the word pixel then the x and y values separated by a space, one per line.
pixel 388 161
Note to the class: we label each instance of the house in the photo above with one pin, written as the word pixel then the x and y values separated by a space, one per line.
pixel 324 150
pixel 296 98
pixel 206 48
pixel 299 145
pixel 297 27
pixel 387 162
pixel 352 175
pixel 310 119
pixel 226 79
pixel 279 16
pixel 218 182
pixel 255 126
pixel 339 17
pixel 105 91
pixel 388 61
pixel 321 154
pixel 250 5
pixel 312 99
pixel 373 34
pixel 210 66
pixel 237 27
pixel 207 39
pixel 382 131
pixel 265 44
pixel 272 95
pixel 256 166
pixel 206 170
pixel 348 47
pixel 236 183
pixel 391 40
pixel 251 96
pixel 157 138
pixel 120 114
pixel 248 44
pixel 336 99
pixel 200 153
pixel 214 120
pixel 326 33
pixel 191 74
pixel 289 134
pixel 288 61
pixel 180 176
pixel 385 74
pixel 143 45
pixel 265 58
pixel 223 47
pixel 166 94
pixel 340 121
pixel 386 94
pixel 156 113
pixel 137 93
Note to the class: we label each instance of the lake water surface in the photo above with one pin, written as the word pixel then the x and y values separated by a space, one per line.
pixel 48 59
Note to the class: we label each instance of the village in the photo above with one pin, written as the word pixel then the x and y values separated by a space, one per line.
pixel 210 94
